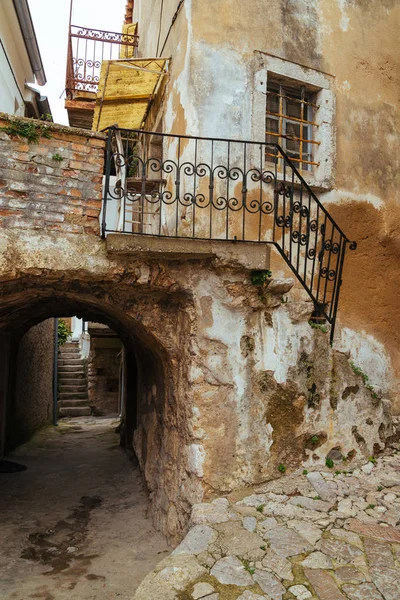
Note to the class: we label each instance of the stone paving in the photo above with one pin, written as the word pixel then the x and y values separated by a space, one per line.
pixel 331 534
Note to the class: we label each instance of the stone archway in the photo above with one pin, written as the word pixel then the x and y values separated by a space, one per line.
pixel 153 330
pixel 233 382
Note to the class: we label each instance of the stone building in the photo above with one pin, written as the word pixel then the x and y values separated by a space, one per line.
pixel 227 294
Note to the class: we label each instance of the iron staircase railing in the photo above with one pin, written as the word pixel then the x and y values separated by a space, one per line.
pixel 220 189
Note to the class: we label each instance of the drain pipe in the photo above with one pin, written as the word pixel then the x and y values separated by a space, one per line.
pixel 55 373
pixel 28 33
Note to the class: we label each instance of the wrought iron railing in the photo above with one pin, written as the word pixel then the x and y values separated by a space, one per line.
pixel 87 48
pixel 220 189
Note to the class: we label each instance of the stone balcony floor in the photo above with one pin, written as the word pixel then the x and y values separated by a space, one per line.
pixel 330 535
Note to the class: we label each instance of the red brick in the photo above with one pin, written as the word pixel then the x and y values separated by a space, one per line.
pixel 7 212
pixel 17 194
pixel 79 156
pixel 82 166
pixel 93 229
pixel 96 160
pixel 91 212
pixel 97 142
pixel 80 148
pixel 94 203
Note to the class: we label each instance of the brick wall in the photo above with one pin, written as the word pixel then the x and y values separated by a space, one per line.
pixel 37 191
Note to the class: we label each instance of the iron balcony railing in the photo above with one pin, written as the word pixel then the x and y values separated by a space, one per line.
pixel 203 188
pixel 87 48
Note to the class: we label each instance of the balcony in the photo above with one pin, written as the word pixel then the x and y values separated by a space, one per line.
pixel 219 190
pixel 87 50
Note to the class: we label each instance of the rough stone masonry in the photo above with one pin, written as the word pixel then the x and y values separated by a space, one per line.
pixel 235 386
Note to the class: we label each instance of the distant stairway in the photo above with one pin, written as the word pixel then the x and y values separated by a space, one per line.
pixel 72 382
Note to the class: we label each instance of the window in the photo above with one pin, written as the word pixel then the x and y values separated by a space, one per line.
pixel 290 122
pixel 294 106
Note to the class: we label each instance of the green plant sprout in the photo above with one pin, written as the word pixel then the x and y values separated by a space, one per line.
pixel 260 277
pixel 319 326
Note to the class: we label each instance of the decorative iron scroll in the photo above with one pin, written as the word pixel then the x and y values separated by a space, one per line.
pixel 221 189
pixel 87 48
pixel 126 39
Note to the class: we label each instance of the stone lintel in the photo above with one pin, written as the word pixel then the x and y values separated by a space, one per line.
pixel 251 255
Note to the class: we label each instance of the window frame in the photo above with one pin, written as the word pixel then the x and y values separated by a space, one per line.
pixel 305 121
pixel 319 86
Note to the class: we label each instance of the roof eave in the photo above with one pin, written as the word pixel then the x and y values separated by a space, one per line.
pixel 28 33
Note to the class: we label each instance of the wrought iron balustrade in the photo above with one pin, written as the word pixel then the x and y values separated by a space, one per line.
pixel 220 189
pixel 87 48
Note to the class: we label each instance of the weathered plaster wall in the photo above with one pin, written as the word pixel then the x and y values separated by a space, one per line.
pixel 169 41
pixel 31 404
pixel 212 91
pixel 232 382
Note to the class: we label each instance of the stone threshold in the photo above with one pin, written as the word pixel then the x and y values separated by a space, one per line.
pixel 250 255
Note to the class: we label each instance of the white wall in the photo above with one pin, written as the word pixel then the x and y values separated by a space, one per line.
pixel 13 47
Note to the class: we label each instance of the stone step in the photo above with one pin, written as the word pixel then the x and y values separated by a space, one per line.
pixel 68 346
pixel 78 411
pixel 72 376
pixel 68 357
pixel 70 361
pixel 73 382
pixel 73 402
pixel 71 369
pixel 66 395
pixel 67 386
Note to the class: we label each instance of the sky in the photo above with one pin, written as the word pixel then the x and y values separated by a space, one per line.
pixel 50 19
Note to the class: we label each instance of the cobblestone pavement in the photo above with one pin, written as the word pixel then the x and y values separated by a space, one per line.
pixel 326 535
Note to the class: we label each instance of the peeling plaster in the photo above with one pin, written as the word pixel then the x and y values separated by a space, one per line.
pixel 283 345
pixel 344 19
pixel 368 354
pixel 195 457
pixel 220 107
pixel 345 196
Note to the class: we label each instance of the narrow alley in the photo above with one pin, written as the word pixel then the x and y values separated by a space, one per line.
pixel 74 524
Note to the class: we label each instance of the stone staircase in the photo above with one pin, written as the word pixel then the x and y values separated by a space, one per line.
pixel 72 382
